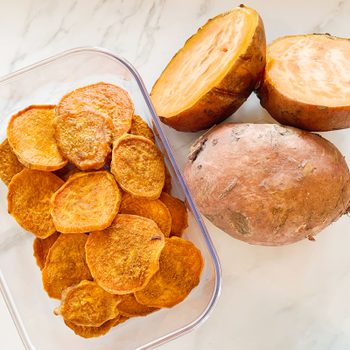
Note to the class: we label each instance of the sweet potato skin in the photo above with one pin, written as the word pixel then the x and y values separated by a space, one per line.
pixel 267 184
pixel 224 99
pixel 301 115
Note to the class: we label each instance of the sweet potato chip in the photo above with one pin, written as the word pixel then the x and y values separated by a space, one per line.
pixel 124 257
pixel 178 213
pixel 152 209
pixel 29 200
pixel 138 166
pixel 9 163
pixel 84 139
pixel 167 182
pixel 105 99
pixel 180 268
pixel 86 202
pixel 65 264
pixel 91 332
pixel 87 304
pixel 31 135
pixel 41 248
pixel 129 307
pixel 140 127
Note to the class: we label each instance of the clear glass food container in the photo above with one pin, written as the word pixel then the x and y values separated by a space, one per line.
pixel 20 278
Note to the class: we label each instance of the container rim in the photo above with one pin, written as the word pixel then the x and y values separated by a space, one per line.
pixel 217 286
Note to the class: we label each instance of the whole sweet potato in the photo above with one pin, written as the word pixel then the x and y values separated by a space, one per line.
pixel 267 184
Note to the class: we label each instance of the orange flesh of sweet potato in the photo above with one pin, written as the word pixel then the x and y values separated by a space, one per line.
pixel 213 74
pixel 307 82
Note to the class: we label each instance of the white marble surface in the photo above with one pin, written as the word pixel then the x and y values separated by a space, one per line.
pixel 293 297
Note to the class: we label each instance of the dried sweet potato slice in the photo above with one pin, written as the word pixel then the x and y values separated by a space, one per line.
pixel 41 248
pixel 124 257
pixel 141 128
pixel 167 182
pixel 29 194
pixel 129 307
pixel 306 82
pixel 180 267
pixel 87 304
pixel 105 99
pixel 86 202
pixel 65 264
pixel 138 166
pixel 30 133
pixel 178 213
pixel 91 332
pixel 152 209
pixel 85 139
pixel 214 72
pixel 9 163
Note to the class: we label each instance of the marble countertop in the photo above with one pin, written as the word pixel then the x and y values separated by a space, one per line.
pixel 293 297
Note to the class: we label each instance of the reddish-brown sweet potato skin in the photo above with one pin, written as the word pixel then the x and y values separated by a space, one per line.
pixel 224 99
pixel 302 115
pixel 267 184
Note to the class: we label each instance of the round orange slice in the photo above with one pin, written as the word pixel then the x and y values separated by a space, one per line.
pixel 86 202
pixel 138 166
pixel 31 135
pixel 29 195
pixel 124 257
pixel 180 268
pixel 105 99
pixel 42 247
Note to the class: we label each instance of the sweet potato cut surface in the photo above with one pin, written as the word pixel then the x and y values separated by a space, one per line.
pixel 86 202
pixel 85 139
pixel 141 128
pixel 306 82
pixel 9 163
pixel 29 197
pixel 129 307
pixel 138 166
pixel 124 257
pixel 154 209
pixel 31 135
pixel 180 267
pixel 214 73
pixel 275 185
pixel 41 248
pixel 105 99
pixel 65 264
pixel 178 213
pixel 87 304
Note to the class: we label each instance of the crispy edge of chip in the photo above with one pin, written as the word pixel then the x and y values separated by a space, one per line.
pixel 45 281
pixel 24 161
pixel 93 332
pixel 12 190
pixel 145 207
pixel 114 167
pixel 99 234
pixel 141 128
pixel 9 163
pixel 77 229
pixel 152 301
pixel 178 212
pixel 130 307
pixel 109 301
pixel 167 181
pixel 41 248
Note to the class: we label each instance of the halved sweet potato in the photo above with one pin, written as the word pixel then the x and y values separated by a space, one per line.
pixel 307 82
pixel 214 73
